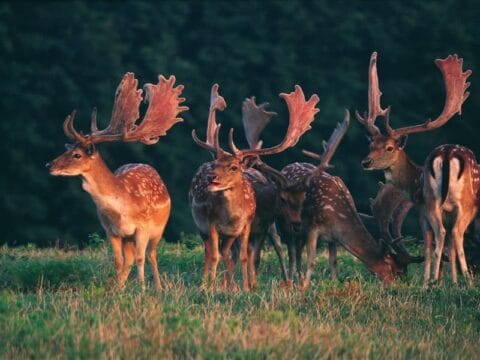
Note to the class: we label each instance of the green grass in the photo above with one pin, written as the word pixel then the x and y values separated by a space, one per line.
pixel 57 304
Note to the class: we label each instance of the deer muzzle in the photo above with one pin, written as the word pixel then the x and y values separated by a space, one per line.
pixel 367 163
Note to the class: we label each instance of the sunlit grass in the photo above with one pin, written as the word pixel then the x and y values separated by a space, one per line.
pixel 63 304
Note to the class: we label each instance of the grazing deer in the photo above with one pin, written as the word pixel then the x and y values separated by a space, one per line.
pixel 133 204
pixel 222 198
pixel 387 151
pixel 330 215
pixel 451 193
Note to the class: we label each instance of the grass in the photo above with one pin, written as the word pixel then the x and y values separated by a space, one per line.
pixel 61 304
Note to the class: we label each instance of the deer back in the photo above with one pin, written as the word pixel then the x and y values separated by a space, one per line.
pixel 451 177
pixel 329 208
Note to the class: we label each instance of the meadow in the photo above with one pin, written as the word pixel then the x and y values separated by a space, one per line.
pixel 58 303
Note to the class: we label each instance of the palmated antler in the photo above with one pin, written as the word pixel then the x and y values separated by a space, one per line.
pixel 374 108
pixel 255 118
pixel 217 102
pixel 330 146
pixel 302 113
pixel 162 113
pixel 455 85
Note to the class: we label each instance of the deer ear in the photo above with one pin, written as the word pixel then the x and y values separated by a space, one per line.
pixel 402 141
pixel 90 149
pixel 249 161
pixel 69 146
pixel 307 180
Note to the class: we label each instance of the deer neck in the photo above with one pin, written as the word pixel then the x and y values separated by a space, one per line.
pixel 405 175
pixel 100 182
pixel 356 239
pixel 233 198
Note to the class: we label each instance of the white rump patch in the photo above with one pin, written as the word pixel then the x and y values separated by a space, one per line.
pixel 455 185
pixel 436 183
pixel 328 207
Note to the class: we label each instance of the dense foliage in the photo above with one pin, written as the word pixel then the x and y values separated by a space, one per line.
pixel 57 56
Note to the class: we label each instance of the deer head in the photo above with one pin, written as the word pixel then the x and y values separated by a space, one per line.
pixel 229 166
pixel 164 106
pixel 385 149
pixel 293 180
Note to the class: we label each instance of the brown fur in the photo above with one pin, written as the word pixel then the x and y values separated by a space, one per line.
pixel 133 206
pixel 452 180
pixel 223 207
pixel 330 215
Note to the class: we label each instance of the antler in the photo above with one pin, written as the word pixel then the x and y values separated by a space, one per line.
pixel 164 106
pixel 302 113
pixel 70 131
pixel 455 85
pixel 217 102
pixel 162 113
pixel 330 147
pixel 374 94
pixel 255 118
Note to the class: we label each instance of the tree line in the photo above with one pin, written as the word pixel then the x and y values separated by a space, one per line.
pixel 60 56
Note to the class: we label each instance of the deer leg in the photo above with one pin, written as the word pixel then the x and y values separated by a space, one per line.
pixel 277 245
pixel 152 257
pixel 299 245
pixel 452 257
pixel 311 256
pixel 257 249
pixel 141 242
pixel 439 232
pixel 332 259
pixel 251 267
pixel 427 239
pixel 229 263
pixel 116 242
pixel 292 256
pixel 458 231
pixel 129 258
pixel 207 260
pixel 214 257
pixel 244 255
pixel 399 216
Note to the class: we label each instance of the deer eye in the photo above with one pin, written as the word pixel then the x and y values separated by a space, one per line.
pixel 233 168
pixel 389 148
pixel 77 156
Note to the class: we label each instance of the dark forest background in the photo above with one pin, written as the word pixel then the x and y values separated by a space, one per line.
pixel 59 56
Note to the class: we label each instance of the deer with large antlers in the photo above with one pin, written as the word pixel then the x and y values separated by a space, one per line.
pixel 255 118
pixel 222 198
pixel 291 189
pixel 328 213
pixel 133 204
pixel 387 151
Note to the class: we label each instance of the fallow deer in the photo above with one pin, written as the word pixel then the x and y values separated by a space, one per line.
pixel 133 204
pixel 255 118
pixel 330 215
pixel 222 198
pixel 389 209
pixel 292 185
pixel 387 151
pixel 451 194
